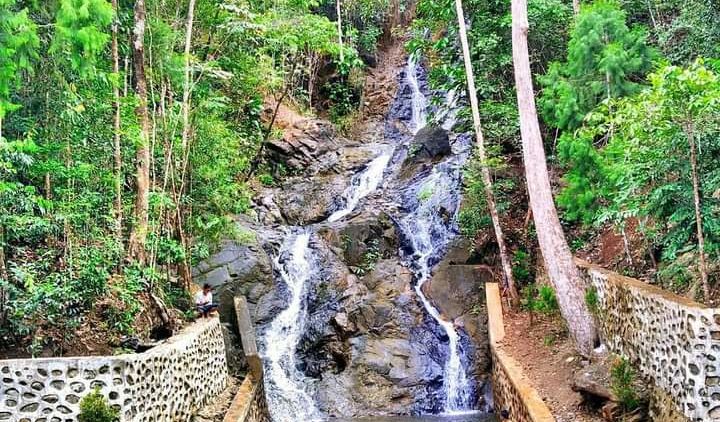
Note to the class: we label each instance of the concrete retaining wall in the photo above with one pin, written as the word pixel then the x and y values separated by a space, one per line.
pixel 672 340
pixel 249 404
pixel 514 396
pixel 167 383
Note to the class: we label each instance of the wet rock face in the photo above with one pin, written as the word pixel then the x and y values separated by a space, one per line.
pixel 305 201
pixel 429 145
pixel 458 291
pixel 236 269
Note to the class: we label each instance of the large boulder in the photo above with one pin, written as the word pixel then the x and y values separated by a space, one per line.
pixel 304 201
pixel 458 291
pixel 237 268
pixel 430 143
pixel 308 145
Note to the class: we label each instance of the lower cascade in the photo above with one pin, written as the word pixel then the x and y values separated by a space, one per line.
pixel 429 230
pixel 286 389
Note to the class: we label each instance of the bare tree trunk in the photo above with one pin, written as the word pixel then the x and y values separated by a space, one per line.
pixel 186 83
pixel 136 244
pixel 268 131
pixel 487 181
pixel 576 7
pixel 185 273
pixel 564 275
pixel 3 275
pixel 340 31
pixel 117 151
pixel 690 131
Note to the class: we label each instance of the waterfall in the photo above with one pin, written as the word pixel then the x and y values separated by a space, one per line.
pixel 429 229
pixel 363 184
pixel 419 102
pixel 428 224
pixel 286 393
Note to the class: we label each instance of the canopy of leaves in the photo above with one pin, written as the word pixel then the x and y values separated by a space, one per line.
pixel 606 59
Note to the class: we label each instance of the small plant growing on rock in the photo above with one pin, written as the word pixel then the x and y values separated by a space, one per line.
pixel 592 300
pixel 95 408
pixel 622 383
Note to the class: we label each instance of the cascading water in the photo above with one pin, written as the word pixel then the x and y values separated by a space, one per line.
pixel 289 400
pixel 363 184
pixel 428 224
pixel 429 229
pixel 419 101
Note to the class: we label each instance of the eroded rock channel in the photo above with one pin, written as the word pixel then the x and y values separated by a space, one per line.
pixel 357 280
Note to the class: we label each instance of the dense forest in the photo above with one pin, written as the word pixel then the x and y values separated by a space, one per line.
pixel 133 132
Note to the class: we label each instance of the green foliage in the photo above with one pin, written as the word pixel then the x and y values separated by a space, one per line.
pixel 371 256
pixel 644 170
pixel 522 267
pixel 622 384
pixel 539 299
pixel 688 28
pixel 604 59
pixel 592 300
pixel 19 43
pixel 79 30
pixel 94 407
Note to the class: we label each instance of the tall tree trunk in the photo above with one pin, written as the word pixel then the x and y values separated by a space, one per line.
pixel 3 275
pixel 487 181
pixel 564 275
pixel 185 273
pixel 690 132
pixel 576 7
pixel 136 244
pixel 186 82
pixel 117 151
pixel 340 31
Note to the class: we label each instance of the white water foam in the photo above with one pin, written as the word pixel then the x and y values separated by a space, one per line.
pixel 363 184
pixel 419 102
pixel 286 393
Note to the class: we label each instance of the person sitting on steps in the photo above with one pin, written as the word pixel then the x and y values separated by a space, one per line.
pixel 204 301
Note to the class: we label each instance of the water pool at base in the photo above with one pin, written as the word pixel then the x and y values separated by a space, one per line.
pixel 474 417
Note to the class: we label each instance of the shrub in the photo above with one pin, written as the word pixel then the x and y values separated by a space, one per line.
pixel 95 408
pixel 592 300
pixel 622 383
pixel 539 299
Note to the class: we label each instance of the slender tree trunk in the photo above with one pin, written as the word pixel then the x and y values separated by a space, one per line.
pixel 487 181
pixel 564 275
pixel 576 7
pixel 136 244
pixel 117 151
pixel 3 275
pixel 268 131
pixel 340 31
pixel 690 131
pixel 186 83
pixel 185 273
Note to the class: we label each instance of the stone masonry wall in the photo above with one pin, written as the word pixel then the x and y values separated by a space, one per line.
pixel 514 397
pixel 671 340
pixel 167 383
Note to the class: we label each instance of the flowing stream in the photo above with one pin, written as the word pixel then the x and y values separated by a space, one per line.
pixel 363 184
pixel 428 224
pixel 287 394
pixel 429 228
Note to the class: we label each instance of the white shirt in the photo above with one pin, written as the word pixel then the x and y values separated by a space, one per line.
pixel 203 299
